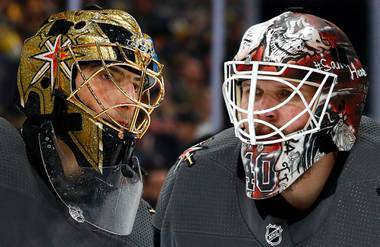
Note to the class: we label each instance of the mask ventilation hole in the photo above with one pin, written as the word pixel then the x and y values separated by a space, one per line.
pixel 80 25
pixel 45 82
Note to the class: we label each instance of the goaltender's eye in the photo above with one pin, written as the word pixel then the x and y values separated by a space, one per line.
pixel 259 92
pixel 283 94
pixel 105 76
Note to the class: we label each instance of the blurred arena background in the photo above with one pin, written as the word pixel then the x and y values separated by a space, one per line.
pixel 192 38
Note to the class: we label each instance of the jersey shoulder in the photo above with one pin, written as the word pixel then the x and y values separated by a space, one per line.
pixel 197 165
pixel 213 148
pixel 15 168
pixel 369 130
pixel 362 162
pixel 142 232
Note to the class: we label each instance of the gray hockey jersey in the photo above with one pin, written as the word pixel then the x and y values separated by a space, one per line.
pixel 203 201
pixel 31 215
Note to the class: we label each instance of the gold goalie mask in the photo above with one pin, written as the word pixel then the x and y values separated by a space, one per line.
pixel 90 80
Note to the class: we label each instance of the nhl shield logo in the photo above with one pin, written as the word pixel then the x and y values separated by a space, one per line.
pixel 273 234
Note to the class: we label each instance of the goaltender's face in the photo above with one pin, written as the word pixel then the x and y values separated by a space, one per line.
pixel 101 92
pixel 269 94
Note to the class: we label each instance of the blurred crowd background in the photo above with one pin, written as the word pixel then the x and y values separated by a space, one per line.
pixel 182 31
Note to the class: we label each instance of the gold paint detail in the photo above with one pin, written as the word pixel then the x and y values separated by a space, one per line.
pixel 89 43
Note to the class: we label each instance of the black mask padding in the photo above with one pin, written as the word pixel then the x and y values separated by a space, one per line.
pixel 32 106
pixel 116 34
pixel 119 35
pixel 63 121
pixel 117 151
pixel 60 27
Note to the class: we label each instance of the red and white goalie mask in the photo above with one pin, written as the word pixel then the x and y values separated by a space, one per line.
pixel 294 92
